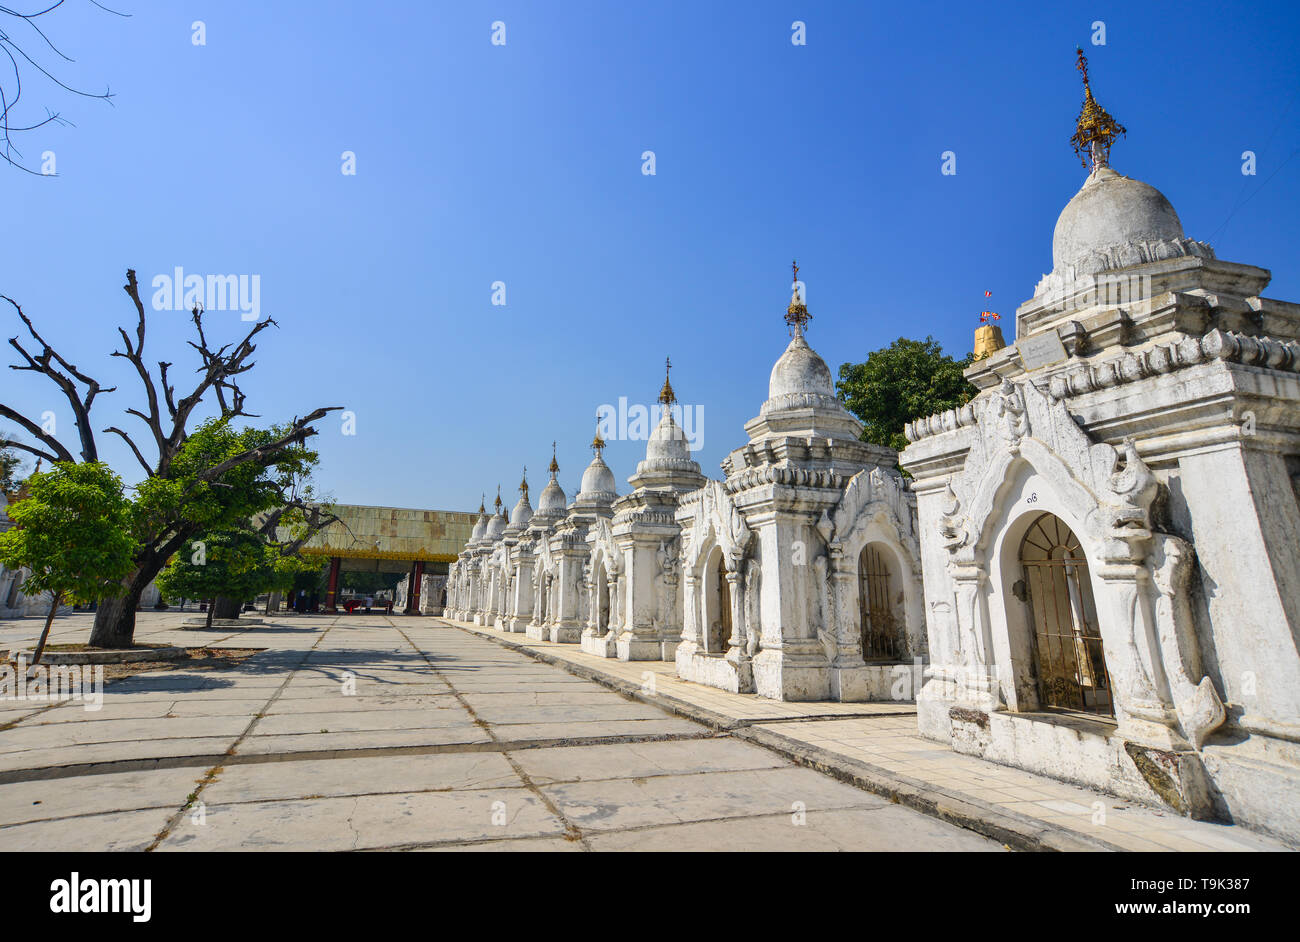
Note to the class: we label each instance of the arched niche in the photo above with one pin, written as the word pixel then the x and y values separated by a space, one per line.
pixel 715 603
pixel 881 603
pixel 1025 496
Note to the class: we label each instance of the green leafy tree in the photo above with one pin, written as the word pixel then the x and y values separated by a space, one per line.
pixel 188 505
pixel 11 466
pixel 72 530
pixel 230 566
pixel 222 563
pixel 907 380
pixel 196 480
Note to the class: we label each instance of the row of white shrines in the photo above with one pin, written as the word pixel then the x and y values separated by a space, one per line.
pixel 1095 563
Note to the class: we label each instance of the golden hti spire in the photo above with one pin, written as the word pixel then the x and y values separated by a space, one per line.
pixel 555 465
pixel 1095 130
pixel 523 484
pixel 796 315
pixel 597 443
pixel 482 504
pixel 666 395
pixel 497 502
pixel 988 336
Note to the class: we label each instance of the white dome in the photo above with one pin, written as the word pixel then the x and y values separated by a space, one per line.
pixel 552 499
pixel 496 526
pixel 522 513
pixel 668 441
pixel 1109 210
pixel 597 480
pixel 480 526
pixel 800 372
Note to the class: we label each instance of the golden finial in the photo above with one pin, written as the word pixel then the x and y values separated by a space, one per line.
pixel 523 484
pixel 988 336
pixel 666 395
pixel 497 502
pixel 796 315
pixel 597 443
pixel 1095 130
pixel 482 504
pixel 555 465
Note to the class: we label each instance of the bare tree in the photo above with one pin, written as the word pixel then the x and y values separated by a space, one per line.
pixel 166 418
pixel 31 54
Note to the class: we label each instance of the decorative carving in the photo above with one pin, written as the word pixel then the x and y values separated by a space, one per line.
pixel 1013 420
pixel 753 607
pixel 953 533
pixel 824 527
pixel 716 519
pixel 1056 283
pixel 601 539
pixel 1132 489
pixel 825 620
pixel 1199 708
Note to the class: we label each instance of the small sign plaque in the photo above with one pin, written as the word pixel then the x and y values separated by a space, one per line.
pixel 1041 350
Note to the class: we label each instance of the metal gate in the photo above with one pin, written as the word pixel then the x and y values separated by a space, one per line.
pixel 1068 656
pixel 721 634
pixel 876 618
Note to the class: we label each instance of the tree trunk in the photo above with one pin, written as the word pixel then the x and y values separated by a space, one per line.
pixel 212 607
pixel 115 618
pixel 226 607
pixel 49 620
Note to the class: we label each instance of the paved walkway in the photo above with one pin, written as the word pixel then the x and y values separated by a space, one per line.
pixel 876 746
pixel 364 732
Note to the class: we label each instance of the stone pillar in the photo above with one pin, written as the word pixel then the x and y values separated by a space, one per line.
pixel 848 640
pixel 792 662
pixel 413 596
pixel 331 594
pixel 565 626
pixel 523 599
pixel 1141 713
pixel 737 653
pixel 736 600
pixel 690 610
pixel 979 685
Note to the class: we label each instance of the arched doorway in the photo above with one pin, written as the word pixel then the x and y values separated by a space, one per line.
pixel 1068 657
pixel 718 606
pixel 879 618
pixel 602 598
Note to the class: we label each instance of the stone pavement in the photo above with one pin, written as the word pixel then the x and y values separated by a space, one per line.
pixel 373 732
pixel 876 747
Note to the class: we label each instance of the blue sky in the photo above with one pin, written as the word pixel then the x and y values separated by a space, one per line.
pixel 478 163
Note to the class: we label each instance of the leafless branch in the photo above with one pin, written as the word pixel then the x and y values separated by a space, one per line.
pixel 299 431
pixel 48 363
pixel 31 449
pixel 134 450
pixel 15 49
pixel 217 371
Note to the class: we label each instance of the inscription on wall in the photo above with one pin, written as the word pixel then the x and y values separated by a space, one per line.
pixel 1040 350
